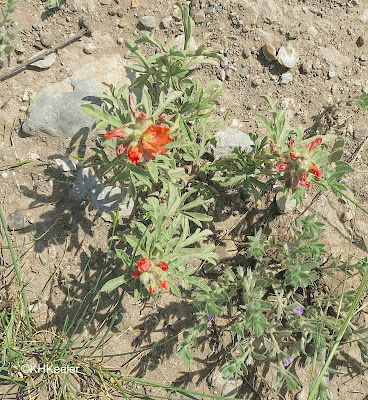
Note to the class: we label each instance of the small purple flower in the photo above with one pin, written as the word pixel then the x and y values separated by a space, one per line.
pixel 248 362
pixel 211 317
pixel 288 361
pixel 291 245
pixel 298 310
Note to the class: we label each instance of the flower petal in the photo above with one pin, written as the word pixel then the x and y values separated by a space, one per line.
pixel 312 145
pixel 116 133
pixel 282 166
pixel 135 154
pixel 144 264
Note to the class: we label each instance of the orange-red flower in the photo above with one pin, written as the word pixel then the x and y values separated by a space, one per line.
pixel 165 285
pixel 117 133
pixel 313 144
pixel 152 288
pixel 144 264
pixel 282 166
pixel 163 265
pixel 316 171
pixel 303 179
pixel 293 155
pixel 136 274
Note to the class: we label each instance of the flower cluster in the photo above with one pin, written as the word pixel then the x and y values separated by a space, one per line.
pixel 297 163
pixel 151 275
pixel 142 138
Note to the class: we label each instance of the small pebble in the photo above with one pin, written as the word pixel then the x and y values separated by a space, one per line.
pixel 246 53
pixel 360 41
pixel 243 72
pixel 176 14
pixel 224 63
pixel 166 22
pixel 148 22
pixel 47 39
pixel 15 221
pixel 256 81
pixel 269 52
pixel 287 56
pixel 120 40
pixel 89 48
pixel 286 78
pixel 200 17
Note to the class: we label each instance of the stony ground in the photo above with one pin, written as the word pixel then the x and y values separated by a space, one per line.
pixel 307 54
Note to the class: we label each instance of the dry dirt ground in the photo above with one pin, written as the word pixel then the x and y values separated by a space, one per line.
pixel 331 37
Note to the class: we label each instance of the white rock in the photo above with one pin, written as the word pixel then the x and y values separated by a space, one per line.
pixel 89 48
pixel 230 138
pixel 287 56
pixel 46 63
pixel 364 17
pixel 286 77
pixel 65 164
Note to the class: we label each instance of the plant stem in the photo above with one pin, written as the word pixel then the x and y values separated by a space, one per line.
pixel 352 201
pixel 351 313
pixel 16 268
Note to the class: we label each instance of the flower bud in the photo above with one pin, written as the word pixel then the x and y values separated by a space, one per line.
pixel 165 285
pixel 142 117
pixel 163 265
pixel 152 288
pixel 145 277
pixel 162 118
pixel 144 264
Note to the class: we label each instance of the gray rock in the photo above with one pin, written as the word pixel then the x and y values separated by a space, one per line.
pixel 360 41
pixel 200 16
pixel 229 139
pixel 57 111
pixel 105 199
pixel 243 72
pixel 224 63
pixel 285 204
pixel 15 221
pixel 85 182
pixel 287 56
pixel 148 22
pixel 166 22
pixel 65 164
pixel 286 77
pixel 270 11
pixel 45 63
pixel 47 39
pixel 209 10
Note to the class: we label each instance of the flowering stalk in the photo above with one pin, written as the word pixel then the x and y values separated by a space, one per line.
pixel 151 274
pixel 141 138
pixel 298 163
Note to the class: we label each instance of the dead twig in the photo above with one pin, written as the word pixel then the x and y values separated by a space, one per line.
pixel 44 54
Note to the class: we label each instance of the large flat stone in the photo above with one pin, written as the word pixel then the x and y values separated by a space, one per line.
pixel 57 111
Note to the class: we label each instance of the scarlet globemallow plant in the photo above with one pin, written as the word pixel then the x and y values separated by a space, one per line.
pixel 151 274
pixel 141 138
pixel 297 162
